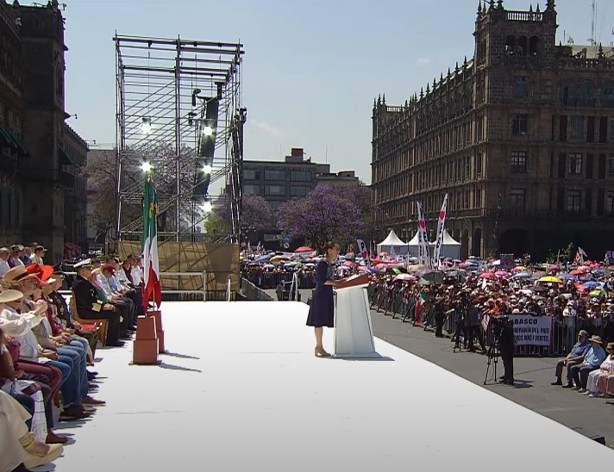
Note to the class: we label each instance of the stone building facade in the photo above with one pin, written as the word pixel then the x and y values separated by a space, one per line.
pixel 521 138
pixel 40 154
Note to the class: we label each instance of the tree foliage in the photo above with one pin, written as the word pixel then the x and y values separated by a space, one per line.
pixel 326 214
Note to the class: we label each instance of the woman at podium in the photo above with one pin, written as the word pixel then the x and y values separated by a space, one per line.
pixel 322 308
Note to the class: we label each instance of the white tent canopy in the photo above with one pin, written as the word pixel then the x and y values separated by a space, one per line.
pixel 392 244
pixel 449 248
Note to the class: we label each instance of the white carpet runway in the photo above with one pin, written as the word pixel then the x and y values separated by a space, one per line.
pixel 241 390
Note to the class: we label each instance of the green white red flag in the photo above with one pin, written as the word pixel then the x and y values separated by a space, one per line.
pixel 151 268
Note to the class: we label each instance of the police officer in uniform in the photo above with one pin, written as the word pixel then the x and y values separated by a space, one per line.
pixel 89 306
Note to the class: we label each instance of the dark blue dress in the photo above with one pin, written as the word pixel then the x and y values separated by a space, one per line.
pixel 322 308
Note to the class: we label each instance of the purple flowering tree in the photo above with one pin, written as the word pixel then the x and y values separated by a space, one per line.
pixel 257 213
pixel 326 214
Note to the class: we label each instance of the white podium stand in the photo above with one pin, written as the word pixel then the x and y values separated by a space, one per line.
pixel 353 328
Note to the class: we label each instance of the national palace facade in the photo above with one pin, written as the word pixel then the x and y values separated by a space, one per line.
pixel 521 138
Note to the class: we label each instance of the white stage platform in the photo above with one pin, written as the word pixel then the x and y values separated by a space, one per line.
pixel 242 391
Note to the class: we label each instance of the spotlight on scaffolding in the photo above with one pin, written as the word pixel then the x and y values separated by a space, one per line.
pixel 207 169
pixel 207 205
pixel 146 167
pixel 146 126
pixel 208 130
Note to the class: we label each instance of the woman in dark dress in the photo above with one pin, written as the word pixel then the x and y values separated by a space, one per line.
pixel 322 308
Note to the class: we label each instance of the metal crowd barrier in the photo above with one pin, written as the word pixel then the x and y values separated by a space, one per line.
pixel 270 280
pixel 198 294
pixel 401 304
pixel 253 293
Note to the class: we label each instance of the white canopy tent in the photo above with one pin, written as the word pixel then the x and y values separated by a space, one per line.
pixel 392 244
pixel 449 248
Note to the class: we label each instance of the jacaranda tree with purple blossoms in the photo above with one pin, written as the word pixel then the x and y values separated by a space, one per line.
pixel 326 214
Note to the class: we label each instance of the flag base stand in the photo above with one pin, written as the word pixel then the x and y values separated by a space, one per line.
pixel 146 343
pixel 157 316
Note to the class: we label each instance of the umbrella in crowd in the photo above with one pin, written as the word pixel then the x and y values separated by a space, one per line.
pixel 549 279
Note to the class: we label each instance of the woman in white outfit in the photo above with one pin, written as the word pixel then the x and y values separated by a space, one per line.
pixel 592 389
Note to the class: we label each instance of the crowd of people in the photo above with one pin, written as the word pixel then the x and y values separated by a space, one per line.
pixel 47 356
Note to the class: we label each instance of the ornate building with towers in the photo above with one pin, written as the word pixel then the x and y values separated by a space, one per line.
pixel 520 136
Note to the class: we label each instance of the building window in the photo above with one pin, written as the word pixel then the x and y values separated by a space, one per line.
pixel 609 203
pixel 275 190
pixel 521 86
pixel 575 164
pixel 274 175
pixel 520 125
pixel 577 128
pixel 478 164
pixel 517 200
pixel 300 176
pixel 298 191
pixel 611 164
pixel 574 200
pixel 519 162
pixel 250 174
pixel 251 189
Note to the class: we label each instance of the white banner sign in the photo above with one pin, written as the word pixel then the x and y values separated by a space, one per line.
pixel 532 330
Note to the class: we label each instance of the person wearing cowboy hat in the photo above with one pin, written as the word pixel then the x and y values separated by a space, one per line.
pixel 593 359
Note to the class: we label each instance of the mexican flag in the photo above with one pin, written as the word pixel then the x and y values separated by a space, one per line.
pixel 419 304
pixel 149 247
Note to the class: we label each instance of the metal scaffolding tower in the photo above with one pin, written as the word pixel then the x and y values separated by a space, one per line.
pixel 179 119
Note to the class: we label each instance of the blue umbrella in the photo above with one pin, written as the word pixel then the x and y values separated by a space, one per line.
pixel 522 275
pixel 565 276
pixel 591 284
pixel 266 257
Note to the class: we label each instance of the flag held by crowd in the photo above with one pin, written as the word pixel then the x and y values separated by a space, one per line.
pixel 440 229
pixel 151 267
pixel 422 237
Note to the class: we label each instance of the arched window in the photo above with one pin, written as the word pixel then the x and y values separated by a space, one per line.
pixel 510 45
pixel 534 46
pixel 522 46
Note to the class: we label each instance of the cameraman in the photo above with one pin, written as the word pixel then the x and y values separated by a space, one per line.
pixel 504 336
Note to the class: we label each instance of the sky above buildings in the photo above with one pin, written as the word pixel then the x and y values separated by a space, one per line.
pixel 311 67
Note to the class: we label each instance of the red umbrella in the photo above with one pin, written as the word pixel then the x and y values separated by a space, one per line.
pixel 488 275
pixel 304 249
pixel 578 272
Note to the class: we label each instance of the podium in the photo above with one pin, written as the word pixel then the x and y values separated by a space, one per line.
pixel 353 327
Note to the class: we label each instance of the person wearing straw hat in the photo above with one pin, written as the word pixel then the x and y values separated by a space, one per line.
pixel 593 359
pixel 594 378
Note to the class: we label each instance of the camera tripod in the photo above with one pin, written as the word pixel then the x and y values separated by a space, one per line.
pixel 493 355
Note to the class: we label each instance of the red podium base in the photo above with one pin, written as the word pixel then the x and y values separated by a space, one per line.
pixel 157 316
pixel 146 345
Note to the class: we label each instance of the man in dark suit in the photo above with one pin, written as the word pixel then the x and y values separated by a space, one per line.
pixel 89 305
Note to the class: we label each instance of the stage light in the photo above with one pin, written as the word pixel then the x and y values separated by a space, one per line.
pixel 207 169
pixel 146 126
pixel 146 167
pixel 208 131
pixel 207 206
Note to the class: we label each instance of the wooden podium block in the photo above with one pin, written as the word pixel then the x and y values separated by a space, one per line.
pixel 146 346
pixel 145 352
pixel 146 328
pixel 157 316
